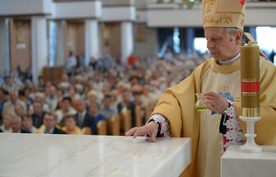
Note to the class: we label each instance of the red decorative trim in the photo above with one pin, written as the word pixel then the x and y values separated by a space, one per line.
pixel 250 86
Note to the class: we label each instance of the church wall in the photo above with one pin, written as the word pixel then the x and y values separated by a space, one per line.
pixel 145 40
pixel 3 48
pixel 60 55
pixel 20 43
pixel 75 38
pixel 111 37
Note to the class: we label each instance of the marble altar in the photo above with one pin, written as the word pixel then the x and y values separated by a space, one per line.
pixel 33 155
pixel 239 164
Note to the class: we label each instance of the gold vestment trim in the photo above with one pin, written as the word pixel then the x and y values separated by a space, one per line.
pixel 251 112
pixel 250 79
pixel 250 93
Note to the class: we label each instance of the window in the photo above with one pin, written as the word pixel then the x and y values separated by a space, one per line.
pixel 264 37
pixel 176 40
pixel 200 45
pixel 52 43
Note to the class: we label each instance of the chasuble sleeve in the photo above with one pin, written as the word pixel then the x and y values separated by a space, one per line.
pixel 177 105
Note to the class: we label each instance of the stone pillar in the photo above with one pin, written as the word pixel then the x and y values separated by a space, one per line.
pixel 4 46
pixel 190 35
pixel 92 48
pixel 39 45
pixel 60 52
pixel 126 40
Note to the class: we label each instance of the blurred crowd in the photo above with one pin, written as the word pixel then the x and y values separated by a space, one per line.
pixel 86 95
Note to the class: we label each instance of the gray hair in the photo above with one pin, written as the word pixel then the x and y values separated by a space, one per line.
pixel 17 118
pixel 232 30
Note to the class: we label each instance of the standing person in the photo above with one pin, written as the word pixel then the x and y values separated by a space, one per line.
pixel 71 62
pixel 218 78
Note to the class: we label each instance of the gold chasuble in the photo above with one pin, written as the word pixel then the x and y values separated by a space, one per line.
pixel 177 105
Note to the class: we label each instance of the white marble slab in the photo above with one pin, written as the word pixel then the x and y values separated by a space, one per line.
pixel 239 164
pixel 32 155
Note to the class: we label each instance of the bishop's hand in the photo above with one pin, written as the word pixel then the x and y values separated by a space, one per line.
pixel 215 102
pixel 150 129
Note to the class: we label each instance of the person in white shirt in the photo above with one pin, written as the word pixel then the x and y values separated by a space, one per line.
pixel 10 105
pixel 71 61
pixel 66 109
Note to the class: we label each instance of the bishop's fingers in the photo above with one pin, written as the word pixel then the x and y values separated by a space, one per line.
pixel 131 131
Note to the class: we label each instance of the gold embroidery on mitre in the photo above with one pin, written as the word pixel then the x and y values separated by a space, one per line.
pixel 222 19
pixel 223 13
pixel 242 22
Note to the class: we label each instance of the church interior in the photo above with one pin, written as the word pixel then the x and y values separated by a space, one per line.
pixel 111 59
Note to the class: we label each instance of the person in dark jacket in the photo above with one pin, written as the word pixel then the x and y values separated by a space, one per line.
pixel 84 119
pixel 16 125
pixel 49 125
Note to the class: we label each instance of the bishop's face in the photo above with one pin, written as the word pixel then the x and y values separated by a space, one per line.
pixel 222 45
